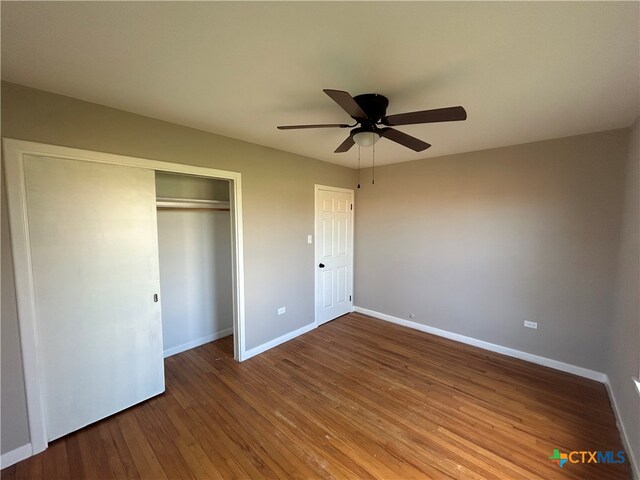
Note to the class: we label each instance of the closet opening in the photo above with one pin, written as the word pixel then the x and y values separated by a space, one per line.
pixel 196 261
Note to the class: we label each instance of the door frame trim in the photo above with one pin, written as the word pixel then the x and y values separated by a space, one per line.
pixel 13 155
pixel 351 192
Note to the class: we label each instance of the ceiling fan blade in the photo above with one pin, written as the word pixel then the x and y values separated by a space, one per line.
pixel 322 125
pixel 346 145
pixel 449 114
pixel 403 139
pixel 347 103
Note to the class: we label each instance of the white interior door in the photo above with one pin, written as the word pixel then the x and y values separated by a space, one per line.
pixel 93 238
pixel 334 253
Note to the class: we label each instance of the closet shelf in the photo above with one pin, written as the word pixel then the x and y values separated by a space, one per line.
pixel 167 203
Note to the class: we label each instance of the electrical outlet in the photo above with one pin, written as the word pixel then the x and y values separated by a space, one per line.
pixel 309 238
pixel 529 324
pixel 282 310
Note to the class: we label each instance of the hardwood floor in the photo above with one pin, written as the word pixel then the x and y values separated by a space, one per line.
pixel 355 398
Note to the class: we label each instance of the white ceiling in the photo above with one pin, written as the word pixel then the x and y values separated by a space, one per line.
pixel 523 71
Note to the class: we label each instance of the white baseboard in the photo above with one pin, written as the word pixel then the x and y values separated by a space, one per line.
pixel 15 456
pixel 277 341
pixel 547 362
pixel 197 342
pixel 631 455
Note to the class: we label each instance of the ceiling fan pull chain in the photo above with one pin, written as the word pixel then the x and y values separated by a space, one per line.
pixel 358 166
pixel 373 165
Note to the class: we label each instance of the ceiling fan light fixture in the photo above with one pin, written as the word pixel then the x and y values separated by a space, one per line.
pixel 366 138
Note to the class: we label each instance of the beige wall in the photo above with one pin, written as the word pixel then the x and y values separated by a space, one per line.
pixel 477 243
pixel 624 350
pixel 278 198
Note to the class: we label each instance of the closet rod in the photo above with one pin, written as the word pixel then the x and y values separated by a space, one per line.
pixel 190 204
pixel 194 208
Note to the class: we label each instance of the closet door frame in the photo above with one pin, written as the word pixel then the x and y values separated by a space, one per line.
pixel 13 155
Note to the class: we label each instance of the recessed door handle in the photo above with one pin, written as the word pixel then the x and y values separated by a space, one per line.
pixel 321 265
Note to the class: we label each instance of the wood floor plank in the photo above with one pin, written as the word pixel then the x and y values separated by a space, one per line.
pixel 76 463
pixel 143 455
pixel 357 398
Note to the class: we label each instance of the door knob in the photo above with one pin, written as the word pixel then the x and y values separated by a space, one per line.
pixel 321 265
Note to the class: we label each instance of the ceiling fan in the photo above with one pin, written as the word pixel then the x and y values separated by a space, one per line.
pixel 369 111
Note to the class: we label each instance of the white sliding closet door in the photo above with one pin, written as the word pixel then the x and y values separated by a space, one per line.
pixel 93 238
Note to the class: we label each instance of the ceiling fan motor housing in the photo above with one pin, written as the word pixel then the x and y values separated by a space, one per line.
pixel 374 105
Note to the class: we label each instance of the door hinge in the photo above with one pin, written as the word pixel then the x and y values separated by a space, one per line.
pixel 349 297
pixel 352 206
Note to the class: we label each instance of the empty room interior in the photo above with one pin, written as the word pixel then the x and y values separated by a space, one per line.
pixel 333 240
